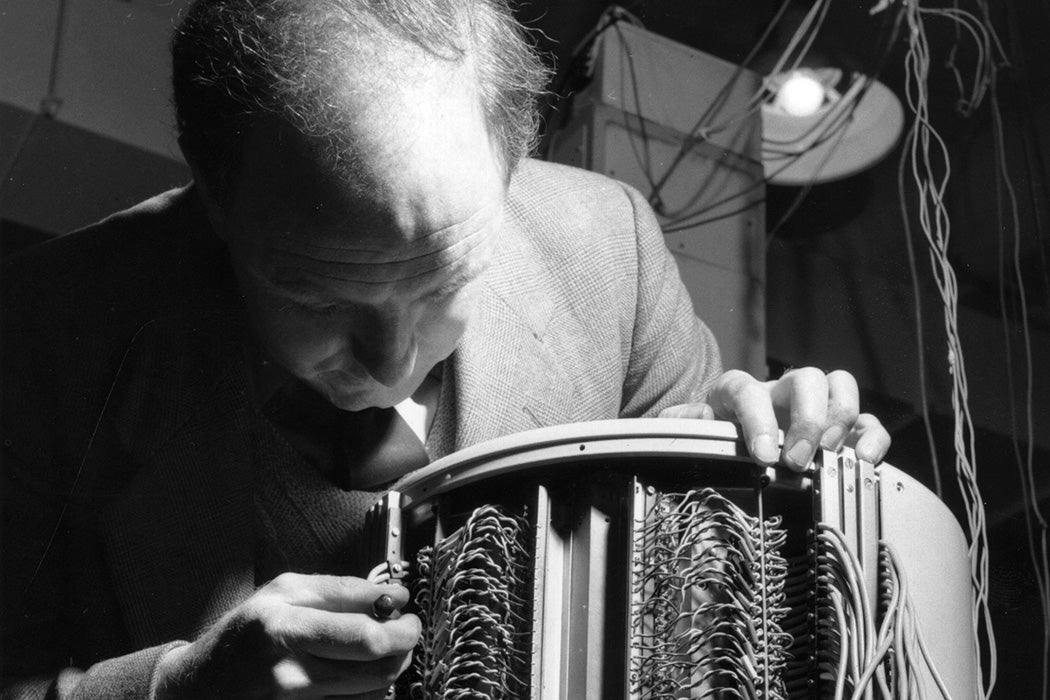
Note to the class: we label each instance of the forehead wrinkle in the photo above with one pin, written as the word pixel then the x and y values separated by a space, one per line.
pixel 412 267
pixel 304 294
pixel 445 238
pixel 427 237
pixel 313 292
pixel 414 275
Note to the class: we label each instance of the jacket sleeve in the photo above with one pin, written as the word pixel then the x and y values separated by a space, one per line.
pixel 128 677
pixel 673 357
pixel 42 651
pixel 46 630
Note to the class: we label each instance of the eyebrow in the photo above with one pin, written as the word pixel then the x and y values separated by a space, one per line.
pixel 305 293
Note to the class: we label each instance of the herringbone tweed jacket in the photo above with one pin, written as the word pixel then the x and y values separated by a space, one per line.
pixel 130 434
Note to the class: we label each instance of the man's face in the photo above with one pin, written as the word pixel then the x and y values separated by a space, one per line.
pixel 360 288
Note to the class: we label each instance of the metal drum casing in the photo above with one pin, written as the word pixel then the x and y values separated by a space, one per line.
pixel 588 497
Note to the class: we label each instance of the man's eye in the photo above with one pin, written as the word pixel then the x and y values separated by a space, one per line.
pixel 328 309
pixel 315 309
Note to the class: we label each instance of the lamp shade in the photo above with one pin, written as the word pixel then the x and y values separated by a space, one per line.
pixel 850 131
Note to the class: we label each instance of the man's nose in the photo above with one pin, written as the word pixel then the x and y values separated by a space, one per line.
pixel 387 352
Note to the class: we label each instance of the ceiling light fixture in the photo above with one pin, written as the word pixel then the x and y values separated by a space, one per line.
pixel 812 132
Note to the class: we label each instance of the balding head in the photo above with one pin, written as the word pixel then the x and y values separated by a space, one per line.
pixel 322 66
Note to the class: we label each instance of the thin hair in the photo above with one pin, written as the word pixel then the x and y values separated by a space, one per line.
pixel 237 62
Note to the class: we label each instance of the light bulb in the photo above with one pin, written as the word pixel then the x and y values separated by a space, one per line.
pixel 801 95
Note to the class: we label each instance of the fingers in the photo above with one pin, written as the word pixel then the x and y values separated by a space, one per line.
pixel 740 397
pixel 803 394
pixel 297 636
pixel 328 650
pixel 869 439
pixel 816 411
pixel 333 643
pixel 843 404
pixel 346 594
pixel 822 411
pixel 347 636
pixel 333 617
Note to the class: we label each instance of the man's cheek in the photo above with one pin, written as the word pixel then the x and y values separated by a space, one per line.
pixel 298 341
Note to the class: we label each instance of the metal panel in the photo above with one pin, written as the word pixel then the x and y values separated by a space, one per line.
pixel 672 84
pixel 933 550
pixel 828 492
pixel 868 526
pixel 636 592
pixel 549 610
pixel 584 657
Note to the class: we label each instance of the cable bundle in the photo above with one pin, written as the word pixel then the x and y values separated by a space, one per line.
pixel 707 598
pixel 900 641
pixel 889 664
pixel 846 627
pixel 927 154
pixel 471 591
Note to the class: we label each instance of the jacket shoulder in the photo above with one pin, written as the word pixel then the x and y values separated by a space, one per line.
pixel 564 196
pixel 139 261
pixel 72 307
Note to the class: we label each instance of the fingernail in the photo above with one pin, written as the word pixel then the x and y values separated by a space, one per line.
pixel 833 437
pixel 383 607
pixel 865 454
pixel 764 449
pixel 801 454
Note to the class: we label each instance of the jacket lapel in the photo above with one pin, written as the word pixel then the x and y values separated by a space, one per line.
pixel 504 379
pixel 179 536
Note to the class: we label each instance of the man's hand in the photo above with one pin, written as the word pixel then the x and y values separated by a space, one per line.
pixel 814 409
pixel 297 637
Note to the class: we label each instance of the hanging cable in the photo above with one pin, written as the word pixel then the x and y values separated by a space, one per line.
pixel 1026 462
pixel 931 170
pixel 920 332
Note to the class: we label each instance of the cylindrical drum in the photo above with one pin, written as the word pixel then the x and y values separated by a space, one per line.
pixel 650 558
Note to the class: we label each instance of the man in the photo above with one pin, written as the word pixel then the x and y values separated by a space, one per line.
pixel 361 227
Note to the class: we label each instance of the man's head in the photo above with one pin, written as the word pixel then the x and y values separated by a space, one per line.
pixel 236 61
pixel 354 154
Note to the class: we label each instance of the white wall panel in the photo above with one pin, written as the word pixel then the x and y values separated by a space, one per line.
pixel 113 69
pixel 27 32
pixel 115 72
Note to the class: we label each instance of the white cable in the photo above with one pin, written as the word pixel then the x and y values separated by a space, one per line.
pixel 931 170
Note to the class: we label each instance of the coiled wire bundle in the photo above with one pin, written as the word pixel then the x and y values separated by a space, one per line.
pixel 471 592
pixel 708 593
pixel 642 560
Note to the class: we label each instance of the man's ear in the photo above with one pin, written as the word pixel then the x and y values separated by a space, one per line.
pixel 216 213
